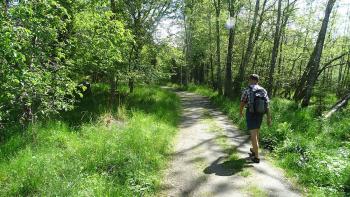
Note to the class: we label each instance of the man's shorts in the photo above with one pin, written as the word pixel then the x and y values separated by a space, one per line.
pixel 254 120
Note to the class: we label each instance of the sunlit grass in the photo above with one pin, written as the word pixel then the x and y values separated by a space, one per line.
pixel 245 173
pixel 117 151
pixel 256 191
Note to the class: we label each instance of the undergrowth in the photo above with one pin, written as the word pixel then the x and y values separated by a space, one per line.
pixel 313 150
pixel 95 150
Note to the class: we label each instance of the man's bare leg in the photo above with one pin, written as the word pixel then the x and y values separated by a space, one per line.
pixel 255 141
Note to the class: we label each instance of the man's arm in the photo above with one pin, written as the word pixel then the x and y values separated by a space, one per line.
pixel 244 100
pixel 241 108
pixel 268 114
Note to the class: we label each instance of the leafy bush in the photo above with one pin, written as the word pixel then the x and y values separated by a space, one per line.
pixel 34 79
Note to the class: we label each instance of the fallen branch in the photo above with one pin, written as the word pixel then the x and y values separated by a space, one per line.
pixel 338 106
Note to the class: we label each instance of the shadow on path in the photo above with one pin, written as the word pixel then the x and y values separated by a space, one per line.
pixel 224 167
pixel 194 186
pixel 228 151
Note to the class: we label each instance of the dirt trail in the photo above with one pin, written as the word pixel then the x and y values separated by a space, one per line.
pixel 210 158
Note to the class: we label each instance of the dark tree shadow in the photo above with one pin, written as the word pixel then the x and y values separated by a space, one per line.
pixel 194 186
pixel 347 187
pixel 224 167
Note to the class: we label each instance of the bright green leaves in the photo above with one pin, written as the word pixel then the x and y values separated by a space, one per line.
pixel 102 44
pixel 34 79
pixel 47 47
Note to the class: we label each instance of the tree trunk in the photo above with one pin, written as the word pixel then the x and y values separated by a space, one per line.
pixel 5 5
pixel 231 40
pixel 217 4
pixel 113 6
pixel 250 46
pixel 187 50
pixel 315 58
pixel 298 94
pixel 277 38
pixel 228 78
pixel 261 21
pixel 137 50
pixel 212 71
pixel 255 60
pixel 346 73
pixel 131 85
pixel 113 89
pixel 340 78
pixel 287 10
pixel 202 73
pixel 211 53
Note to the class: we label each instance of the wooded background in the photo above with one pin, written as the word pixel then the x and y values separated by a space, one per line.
pixel 297 47
pixel 300 49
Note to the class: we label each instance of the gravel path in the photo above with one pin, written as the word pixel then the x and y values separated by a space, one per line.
pixel 210 158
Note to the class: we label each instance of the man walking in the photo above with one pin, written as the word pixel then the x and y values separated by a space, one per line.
pixel 256 100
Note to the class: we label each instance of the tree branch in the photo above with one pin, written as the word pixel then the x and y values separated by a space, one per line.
pixel 329 63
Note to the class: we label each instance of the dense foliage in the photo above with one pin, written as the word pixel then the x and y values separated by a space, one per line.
pixel 34 64
pixel 52 50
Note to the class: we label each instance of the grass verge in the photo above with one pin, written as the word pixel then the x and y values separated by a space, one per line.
pixel 96 150
pixel 314 151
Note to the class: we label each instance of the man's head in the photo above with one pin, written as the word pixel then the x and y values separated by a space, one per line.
pixel 253 79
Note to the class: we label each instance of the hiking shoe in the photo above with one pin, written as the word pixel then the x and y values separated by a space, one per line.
pixel 255 160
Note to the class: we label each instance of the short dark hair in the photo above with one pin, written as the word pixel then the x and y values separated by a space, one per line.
pixel 254 77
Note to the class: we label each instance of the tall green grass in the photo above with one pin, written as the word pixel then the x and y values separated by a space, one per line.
pixel 314 150
pixel 96 150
